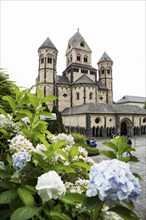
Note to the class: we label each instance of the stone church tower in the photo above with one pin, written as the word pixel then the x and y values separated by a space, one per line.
pixel 105 75
pixel 78 84
pixel 47 53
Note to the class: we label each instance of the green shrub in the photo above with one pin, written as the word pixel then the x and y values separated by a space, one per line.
pixel 81 139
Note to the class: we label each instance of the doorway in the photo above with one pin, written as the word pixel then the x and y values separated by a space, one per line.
pixel 123 128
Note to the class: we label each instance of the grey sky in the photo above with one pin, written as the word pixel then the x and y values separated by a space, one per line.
pixel 117 27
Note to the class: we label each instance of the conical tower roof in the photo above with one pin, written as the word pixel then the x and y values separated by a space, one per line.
pixel 105 57
pixel 47 44
pixel 75 39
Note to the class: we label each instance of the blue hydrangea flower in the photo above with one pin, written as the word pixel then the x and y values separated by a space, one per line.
pixel 113 182
pixel 20 159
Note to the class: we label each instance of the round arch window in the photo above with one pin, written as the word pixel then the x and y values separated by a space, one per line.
pixel 97 120
pixel 144 120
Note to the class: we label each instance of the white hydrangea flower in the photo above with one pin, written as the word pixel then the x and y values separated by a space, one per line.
pixel 2 165
pixel 113 181
pixel 39 150
pixel 106 215
pixel 26 120
pixel 83 151
pixel 5 122
pixel 68 139
pixel 20 143
pixel 50 186
pixel 79 186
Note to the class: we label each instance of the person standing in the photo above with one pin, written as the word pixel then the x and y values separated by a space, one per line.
pixel 129 142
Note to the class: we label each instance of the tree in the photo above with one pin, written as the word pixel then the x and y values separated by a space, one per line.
pixel 144 105
pixel 5 89
pixel 56 126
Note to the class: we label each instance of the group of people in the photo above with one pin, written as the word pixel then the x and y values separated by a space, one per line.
pixel 91 141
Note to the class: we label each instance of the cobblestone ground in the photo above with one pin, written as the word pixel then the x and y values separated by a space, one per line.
pixel 139 143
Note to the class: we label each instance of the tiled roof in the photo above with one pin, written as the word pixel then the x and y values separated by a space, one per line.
pixel 80 65
pixel 134 99
pixel 62 80
pixel 100 85
pixel 105 57
pixel 101 108
pixel 75 39
pixel 47 44
pixel 84 79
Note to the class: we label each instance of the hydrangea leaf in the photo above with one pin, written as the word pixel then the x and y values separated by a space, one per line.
pixel 24 213
pixel 59 216
pixel 26 197
pixel 82 165
pixel 73 198
pixel 109 154
pixel 111 145
pixel 94 204
pixel 48 99
pixel 8 196
pixel 11 102
pixel 2 111
pixel 124 212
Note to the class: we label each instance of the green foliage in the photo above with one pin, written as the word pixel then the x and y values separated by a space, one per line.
pixel 81 140
pixel 5 89
pixel 19 196
pixel 118 148
pixel 56 126
pixel 124 212
pixel 144 105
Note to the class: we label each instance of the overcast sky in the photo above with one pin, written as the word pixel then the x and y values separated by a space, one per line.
pixel 117 27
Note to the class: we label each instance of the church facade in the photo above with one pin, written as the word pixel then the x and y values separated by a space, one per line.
pixel 85 94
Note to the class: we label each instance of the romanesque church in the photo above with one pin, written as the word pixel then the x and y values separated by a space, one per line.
pixel 85 94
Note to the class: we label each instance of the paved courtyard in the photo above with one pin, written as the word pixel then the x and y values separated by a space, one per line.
pixel 139 142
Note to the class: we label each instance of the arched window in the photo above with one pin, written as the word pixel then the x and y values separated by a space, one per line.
pixel 70 58
pixel 42 60
pixel 102 71
pixel 78 95
pixel 49 60
pixel 44 90
pixel 82 44
pixel 78 57
pixel 90 96
pixel 85 59
pixel 108 71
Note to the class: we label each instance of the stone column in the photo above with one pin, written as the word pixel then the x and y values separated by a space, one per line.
pixel 88 125
pixel 118 129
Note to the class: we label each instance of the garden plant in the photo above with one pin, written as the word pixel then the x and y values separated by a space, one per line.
pixel 46 176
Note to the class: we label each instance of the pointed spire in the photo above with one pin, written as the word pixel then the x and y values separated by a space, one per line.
pixel 75 38
pixel 105 57
pixel 47 44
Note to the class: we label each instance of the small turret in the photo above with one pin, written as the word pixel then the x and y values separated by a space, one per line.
pixel 47 53
pixel 105 75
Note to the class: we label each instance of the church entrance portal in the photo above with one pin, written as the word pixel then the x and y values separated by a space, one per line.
pixel 123 128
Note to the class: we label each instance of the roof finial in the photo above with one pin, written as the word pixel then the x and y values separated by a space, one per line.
pixel 78 29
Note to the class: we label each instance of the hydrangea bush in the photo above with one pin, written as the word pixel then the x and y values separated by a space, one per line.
pixel 45 176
